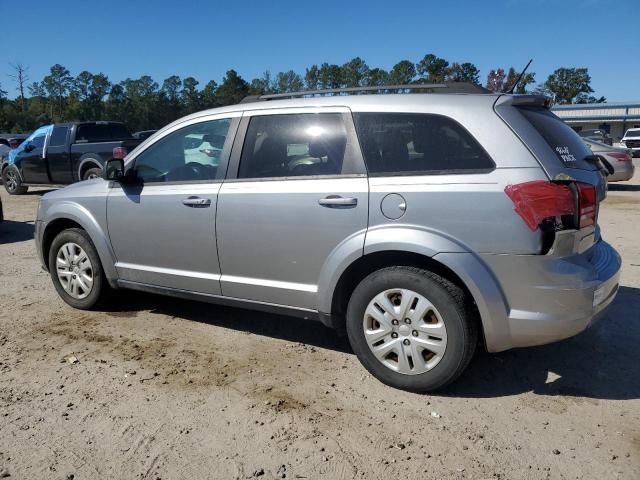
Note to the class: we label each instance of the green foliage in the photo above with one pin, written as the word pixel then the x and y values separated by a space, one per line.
pixel 570 85
pixel 463 72
pixel 402 73
pixel 144 104
pixel 498 81
pixel 432 69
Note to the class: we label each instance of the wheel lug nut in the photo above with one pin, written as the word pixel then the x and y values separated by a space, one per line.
pixel 394 322
pixel 406 341
pixel 407 320
pixel 414 333
pixel 394 335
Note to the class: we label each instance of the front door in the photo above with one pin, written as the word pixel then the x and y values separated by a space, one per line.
pixel 162 228
pixel 30 160
pixel 296 191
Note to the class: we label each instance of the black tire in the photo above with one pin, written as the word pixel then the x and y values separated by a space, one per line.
pixel 94 172
pixel 12 181
pixel 100 289
pixel 447 298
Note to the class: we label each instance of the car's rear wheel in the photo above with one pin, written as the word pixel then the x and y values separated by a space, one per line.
pixel 92 173
pixel 12 181
pixel 411 328
pixel 76 270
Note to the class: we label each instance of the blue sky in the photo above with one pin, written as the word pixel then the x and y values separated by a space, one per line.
pixel 204 39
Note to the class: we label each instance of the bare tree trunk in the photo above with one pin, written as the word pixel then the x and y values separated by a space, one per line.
pixel 21 78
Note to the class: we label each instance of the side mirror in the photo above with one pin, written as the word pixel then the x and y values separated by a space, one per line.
pixel 29 147
pixel 114 169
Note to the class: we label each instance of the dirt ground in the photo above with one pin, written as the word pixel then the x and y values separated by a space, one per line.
pixel 171 389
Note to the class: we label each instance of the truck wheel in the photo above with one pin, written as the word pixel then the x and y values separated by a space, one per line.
pixel 410 328
pixel 92 173
pixel 76 270
pixel 12 182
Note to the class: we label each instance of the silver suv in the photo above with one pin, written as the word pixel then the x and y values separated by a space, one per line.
pixel 423 224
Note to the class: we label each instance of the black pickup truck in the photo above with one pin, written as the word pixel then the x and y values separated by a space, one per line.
pixel 64 153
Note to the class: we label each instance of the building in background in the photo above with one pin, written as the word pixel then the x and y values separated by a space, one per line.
pixel 614 118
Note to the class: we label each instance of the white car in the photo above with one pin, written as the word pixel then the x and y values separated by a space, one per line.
pixel 631 140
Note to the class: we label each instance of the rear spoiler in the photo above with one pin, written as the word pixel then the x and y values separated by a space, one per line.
pixel 528 100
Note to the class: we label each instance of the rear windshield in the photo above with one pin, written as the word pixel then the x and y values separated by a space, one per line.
pixel 569 148
pixel 632 133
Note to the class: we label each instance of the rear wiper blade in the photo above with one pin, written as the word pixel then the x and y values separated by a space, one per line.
pixel 601 162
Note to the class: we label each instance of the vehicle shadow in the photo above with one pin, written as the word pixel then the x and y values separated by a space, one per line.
pixel 617 187
pixel 12 232
pixel 282 327
pixel 601 363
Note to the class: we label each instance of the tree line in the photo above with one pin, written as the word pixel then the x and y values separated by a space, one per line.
pixel 143 103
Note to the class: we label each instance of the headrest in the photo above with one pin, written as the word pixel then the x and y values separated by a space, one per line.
pixel 318 149
pixel 214 140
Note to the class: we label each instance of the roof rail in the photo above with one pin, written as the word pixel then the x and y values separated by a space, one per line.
pixel 449 87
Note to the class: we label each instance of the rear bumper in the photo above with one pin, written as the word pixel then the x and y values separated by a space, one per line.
pixel 552 298
pixel 623 171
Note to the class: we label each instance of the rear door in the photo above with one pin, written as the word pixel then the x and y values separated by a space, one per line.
pixel 296 191
pixel 58 155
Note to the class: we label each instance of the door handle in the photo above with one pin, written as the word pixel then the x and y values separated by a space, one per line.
pixel 336 201
pixel 197 202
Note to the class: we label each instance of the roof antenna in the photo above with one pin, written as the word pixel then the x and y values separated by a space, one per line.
pixel 520 77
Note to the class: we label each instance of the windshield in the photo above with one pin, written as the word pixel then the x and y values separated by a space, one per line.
pixel 41 132
pixel 632 133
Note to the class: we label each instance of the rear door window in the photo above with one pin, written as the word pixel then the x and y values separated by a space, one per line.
pixel 568 146
pixel 418 144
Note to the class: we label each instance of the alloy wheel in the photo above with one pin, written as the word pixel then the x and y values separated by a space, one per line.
pixel 74 270
pixel 11 180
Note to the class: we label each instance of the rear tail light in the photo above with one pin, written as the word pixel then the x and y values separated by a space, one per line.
pixel 620 156
pixel 564 205
pixel 587 204
pixel 119 153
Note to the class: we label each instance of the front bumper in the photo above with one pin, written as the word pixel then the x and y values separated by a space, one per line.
pixel 552 298
pixel 38 234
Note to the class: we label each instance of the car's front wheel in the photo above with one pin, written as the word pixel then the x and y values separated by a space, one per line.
pixel 76 270
pixel 410 328
pixel 12 181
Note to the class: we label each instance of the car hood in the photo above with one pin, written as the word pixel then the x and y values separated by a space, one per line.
pixel 96 186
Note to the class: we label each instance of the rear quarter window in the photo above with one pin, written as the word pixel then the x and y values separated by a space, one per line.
pixel 569 148
pixel 418 144
pixel 119 131
pixel 93 132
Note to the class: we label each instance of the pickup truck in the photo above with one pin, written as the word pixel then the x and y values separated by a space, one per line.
pixel 64 153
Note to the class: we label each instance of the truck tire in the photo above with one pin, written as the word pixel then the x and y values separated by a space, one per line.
pixel 411 329
pixel 12 181
pixel 91 173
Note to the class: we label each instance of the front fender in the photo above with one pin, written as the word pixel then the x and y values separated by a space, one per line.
pixel 69 210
